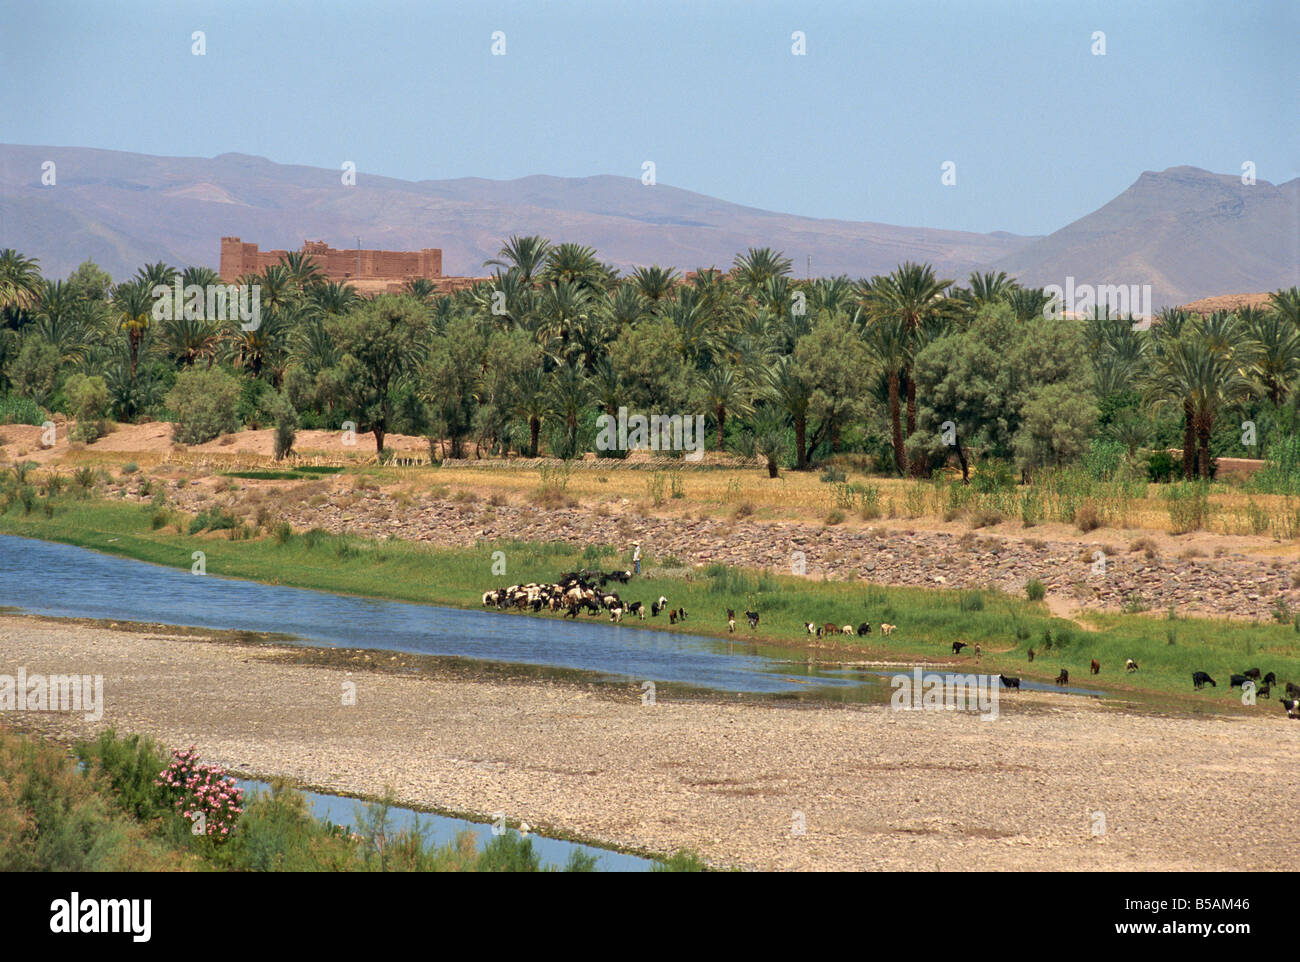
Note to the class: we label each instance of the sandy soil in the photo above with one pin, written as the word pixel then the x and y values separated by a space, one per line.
pixel 155 439
pixel 878 789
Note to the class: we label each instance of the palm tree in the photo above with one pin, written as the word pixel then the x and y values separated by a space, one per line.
pixel 1164 376
pixel 262 347
pixel 1277 353
pixel 770 440
pixel 275 287
pixel 313 347
pixel 575 264
pixel 725 393
pixel 654 283
pixel 563 309
pixel 333 298
pixel 792 395
pixel 988 288
pixel 1118 352
pixel 567 395
pixel 202 276
pixel 887 340
pixel 1027 303
pixel 532 403
pixel 191 340
pixel 20 281
pixel 829 296
pixel 913 295
pixel 690 314
pixel 1132 432
pixel 1287 304
pixel 1205 380
pixel 60 319
pixel 526 254
pixel 421 288
pixel 154 275
pixel 134 305
pixel 622 307
pixel 303 270
pixel 759 265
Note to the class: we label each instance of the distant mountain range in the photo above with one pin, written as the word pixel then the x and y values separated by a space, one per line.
pixel 1186 232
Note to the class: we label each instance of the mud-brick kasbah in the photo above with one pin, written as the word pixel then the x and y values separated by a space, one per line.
pixel 370 271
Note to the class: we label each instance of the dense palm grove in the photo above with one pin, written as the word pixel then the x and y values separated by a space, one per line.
pixel 917 371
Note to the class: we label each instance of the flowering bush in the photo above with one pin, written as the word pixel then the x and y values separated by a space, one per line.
pixel 205 794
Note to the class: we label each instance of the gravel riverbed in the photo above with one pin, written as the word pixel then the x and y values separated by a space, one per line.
pixel 874 788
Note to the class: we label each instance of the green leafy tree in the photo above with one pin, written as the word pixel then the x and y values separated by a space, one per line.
pixel 204 403
pixel 977 382
pixel 451 378
pixel 35 370
pixel 380 346
pixel 88 400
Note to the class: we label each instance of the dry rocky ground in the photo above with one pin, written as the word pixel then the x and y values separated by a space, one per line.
pixel 878 789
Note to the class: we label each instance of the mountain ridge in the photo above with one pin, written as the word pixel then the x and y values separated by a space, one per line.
pixel 1182 230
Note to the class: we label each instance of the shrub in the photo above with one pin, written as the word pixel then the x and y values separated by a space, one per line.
pixel 509 852
pixel 833 475
pixel 1188 507
pixel 1031 509
pixel 204 404
pixel 1035 590
pixel 203 794
pixel 130 765
pixel 84 478
pixel 835 517
pixel 1161 467
pixel 1133 604
pixel 20 410
pixel 683 860
pixel 213 519
pixel 88 398
pixel 286 427
pixel 992 476
pixel 1087 517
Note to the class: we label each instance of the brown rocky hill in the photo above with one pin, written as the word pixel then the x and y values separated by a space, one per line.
pixel 1187 232
pixel 123 210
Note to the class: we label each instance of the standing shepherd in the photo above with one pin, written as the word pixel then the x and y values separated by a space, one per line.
pixel 636 557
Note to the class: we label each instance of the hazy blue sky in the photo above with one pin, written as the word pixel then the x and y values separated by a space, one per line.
pixel 1041 130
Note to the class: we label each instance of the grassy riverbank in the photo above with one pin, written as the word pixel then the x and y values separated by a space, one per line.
pixel 100 807
pixel 1168 649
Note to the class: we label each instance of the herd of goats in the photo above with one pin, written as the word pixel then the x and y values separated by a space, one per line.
pixel 587 592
